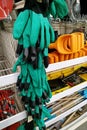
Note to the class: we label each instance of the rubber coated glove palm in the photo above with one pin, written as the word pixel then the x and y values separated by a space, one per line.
pixel 23 77
pixel 45 114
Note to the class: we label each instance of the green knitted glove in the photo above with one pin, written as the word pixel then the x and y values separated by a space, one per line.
pixel 45 114
pixel 20 24
pixel 51 10
pixel 61 8
pixel 58 8
pixel 45 86
pixel 21 127
pixel 23 78
pixel 38 27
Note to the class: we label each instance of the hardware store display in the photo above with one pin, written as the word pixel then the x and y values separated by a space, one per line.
pixel 64 122
pixel 49 81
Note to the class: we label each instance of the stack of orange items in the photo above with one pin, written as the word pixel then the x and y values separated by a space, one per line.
pixel 68 46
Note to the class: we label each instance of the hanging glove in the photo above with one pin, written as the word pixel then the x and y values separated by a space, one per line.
pixel 20 24
pixel 18 29
pixel 51 10
pixel 26 126
pixel 19 49
pixel 45 57
pixel 40 122
pixel 38 27
pixel 47 33
pixel 61 8
pixel 23 79
pixel 58 8
pixel 46 88
pixel 42 31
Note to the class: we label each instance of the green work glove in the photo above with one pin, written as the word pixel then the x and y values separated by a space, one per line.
pixel 40 122
pixel 35 75
pixel 26 126
pixel 20 24
pixel 61 8
pixel 58 8
pixel 23 78
pixel 46 88
pixel 51 10
pixel 47 33
pixel 38 27
pixel 21 127
pixel 18 28
pixel 45 57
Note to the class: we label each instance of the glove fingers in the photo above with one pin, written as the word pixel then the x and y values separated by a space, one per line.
pixel 61 7
pixel 26 34
pixel 47 33
pixel 35 28
pixel 34 74
pixel 17 63
pixel 42 35
pixel 53 9
pixel 20 24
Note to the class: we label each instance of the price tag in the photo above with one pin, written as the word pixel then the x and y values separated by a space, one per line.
pixel 30 119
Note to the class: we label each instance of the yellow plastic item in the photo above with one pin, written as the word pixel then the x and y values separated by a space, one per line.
pixel 55 55
pixel 51 58
pixel 68 43
pixel 83 52
pixel 80 65
pixel 60 90
pixel 76 55
pixel 54 75
pixel 80 53
pixel 61 57
pixel 85 49
pixel 66 57
pixel 71 56
pixel 71 44
pixel 84 76
pixel 80 39
pixel 67 71
pixel 61 44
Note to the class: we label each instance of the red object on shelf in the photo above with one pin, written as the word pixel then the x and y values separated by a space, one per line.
pixel 13 127
pixel 6 7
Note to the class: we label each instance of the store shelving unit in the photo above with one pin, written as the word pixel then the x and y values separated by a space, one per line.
pixel 75 124
pixel 12 78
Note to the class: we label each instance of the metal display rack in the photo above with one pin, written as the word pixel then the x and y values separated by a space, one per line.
pixel 12 78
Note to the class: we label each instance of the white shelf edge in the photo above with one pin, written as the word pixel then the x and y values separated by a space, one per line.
pixel 76 122
pixel 22 115
pixel 8 79
pixel 11 120
pixel 61 116
pixel 68 91
pixel 65 64
pixel 12 78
